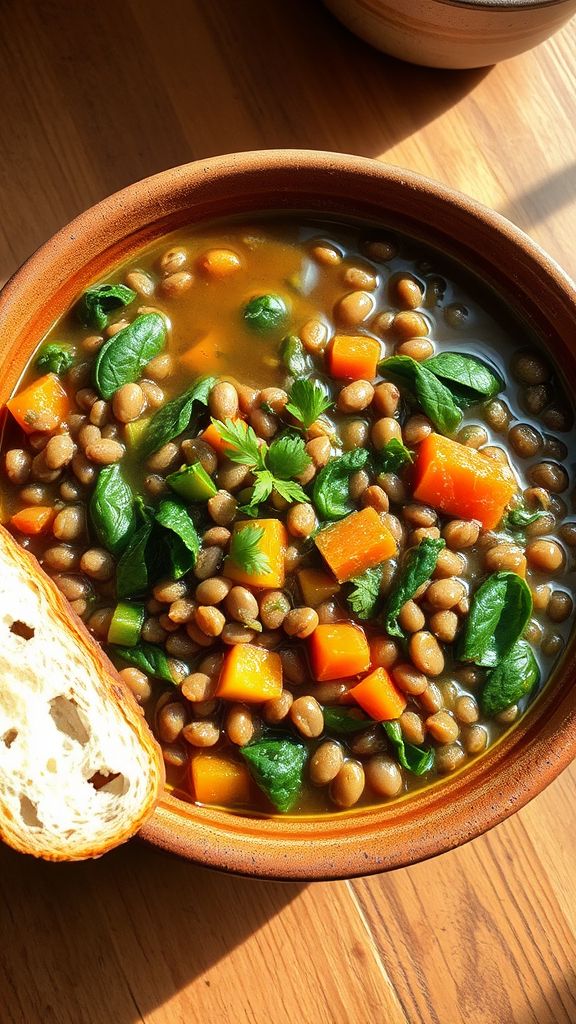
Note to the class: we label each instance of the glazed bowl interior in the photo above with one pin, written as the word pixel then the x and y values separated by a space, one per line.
pixel 529 756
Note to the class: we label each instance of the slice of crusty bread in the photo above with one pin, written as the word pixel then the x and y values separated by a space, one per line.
pixel 67 724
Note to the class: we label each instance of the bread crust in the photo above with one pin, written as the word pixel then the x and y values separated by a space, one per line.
pixel 84 651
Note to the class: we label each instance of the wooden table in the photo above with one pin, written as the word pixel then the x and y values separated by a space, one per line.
pixel 94 96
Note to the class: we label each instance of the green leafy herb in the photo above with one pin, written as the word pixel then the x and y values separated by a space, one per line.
pixel 290 490
pixel 342 722
pixel 307 401
pixel 112 509
pixel 265 312
pixel 183 542
pixel 417 760
pixel 434 398
pixel 277 765
pixel 55 357
pixel 331 495
pixel 284 456
pixel 287 457
pixel 419 564
pixel 122 358
pixel 245 552
pixel 470 379
pixel 295 358
pixel 362 599
pixel 174 417
pixel 243 443
pixel 515 676
pixel 101 300
pixel 132 569
pixel 392 456
pixel 499 614
pixel 148 658
pixel 519 518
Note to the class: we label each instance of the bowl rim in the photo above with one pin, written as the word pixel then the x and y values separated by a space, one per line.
pixel 467 804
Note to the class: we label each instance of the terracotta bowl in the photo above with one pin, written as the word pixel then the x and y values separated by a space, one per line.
pixel 532 754
pixel 453 33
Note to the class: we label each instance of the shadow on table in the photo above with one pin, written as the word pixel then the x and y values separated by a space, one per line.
pixel 120 91
pixel 108 941
pixel 543 200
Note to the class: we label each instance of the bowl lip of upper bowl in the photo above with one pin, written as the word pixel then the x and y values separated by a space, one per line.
pixel 250 850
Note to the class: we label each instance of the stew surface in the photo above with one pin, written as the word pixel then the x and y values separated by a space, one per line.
pixel 309 484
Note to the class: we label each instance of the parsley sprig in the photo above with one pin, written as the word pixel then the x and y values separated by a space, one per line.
pixel 307 401
pixel 245 553
pixel 272 466
pixel 366 590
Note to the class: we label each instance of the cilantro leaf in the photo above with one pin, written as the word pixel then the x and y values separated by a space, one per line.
pixel 364 596
pixel 308 400
pixel 245 553
pixel 244 447
pixel 290 490
pixel 263 487
pixel 287 457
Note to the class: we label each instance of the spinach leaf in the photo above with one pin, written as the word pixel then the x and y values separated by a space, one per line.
pixel 435 399
pixel 112 509
pixel 364 596
pixel 122 358
pixel 330 494
pixel 499 613
pixel 470 379
pixel 295 358
pixel 148 658
pixel 342 722
pixel 519 518
pixel 419 564
pixel 132 574
pixel 512 679
pixel 183 542
pixel 55 357
pixel 276 764
pixel 417 760
pixel 174 417
pixel 392 456
pixel 265 312
pixel 97 302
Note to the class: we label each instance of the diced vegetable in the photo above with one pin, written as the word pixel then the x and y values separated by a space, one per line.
pixel 251 674
pixel 462 482
pixel 378 696
pixel 33 520
pixel 42 406
pixel 134 432
pixel 272 545
pixel 277 764
pixel 316 586
pixel 338 650
pixel 126 624
pixel 218 780
pixel 192 483
pixel 355 544
pixel 353 357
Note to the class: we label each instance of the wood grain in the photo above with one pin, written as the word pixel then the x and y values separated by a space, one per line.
pixel 95 96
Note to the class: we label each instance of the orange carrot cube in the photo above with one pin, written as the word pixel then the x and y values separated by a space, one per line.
pixel 353 357
pixel 355 544
pixel 338 650
pixel 251 674
pixel 378 696
pixel 218 780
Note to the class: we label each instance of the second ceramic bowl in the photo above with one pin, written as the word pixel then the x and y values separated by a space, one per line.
pixel 453 33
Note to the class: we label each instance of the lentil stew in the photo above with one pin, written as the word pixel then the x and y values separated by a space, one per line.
pixel 312 497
